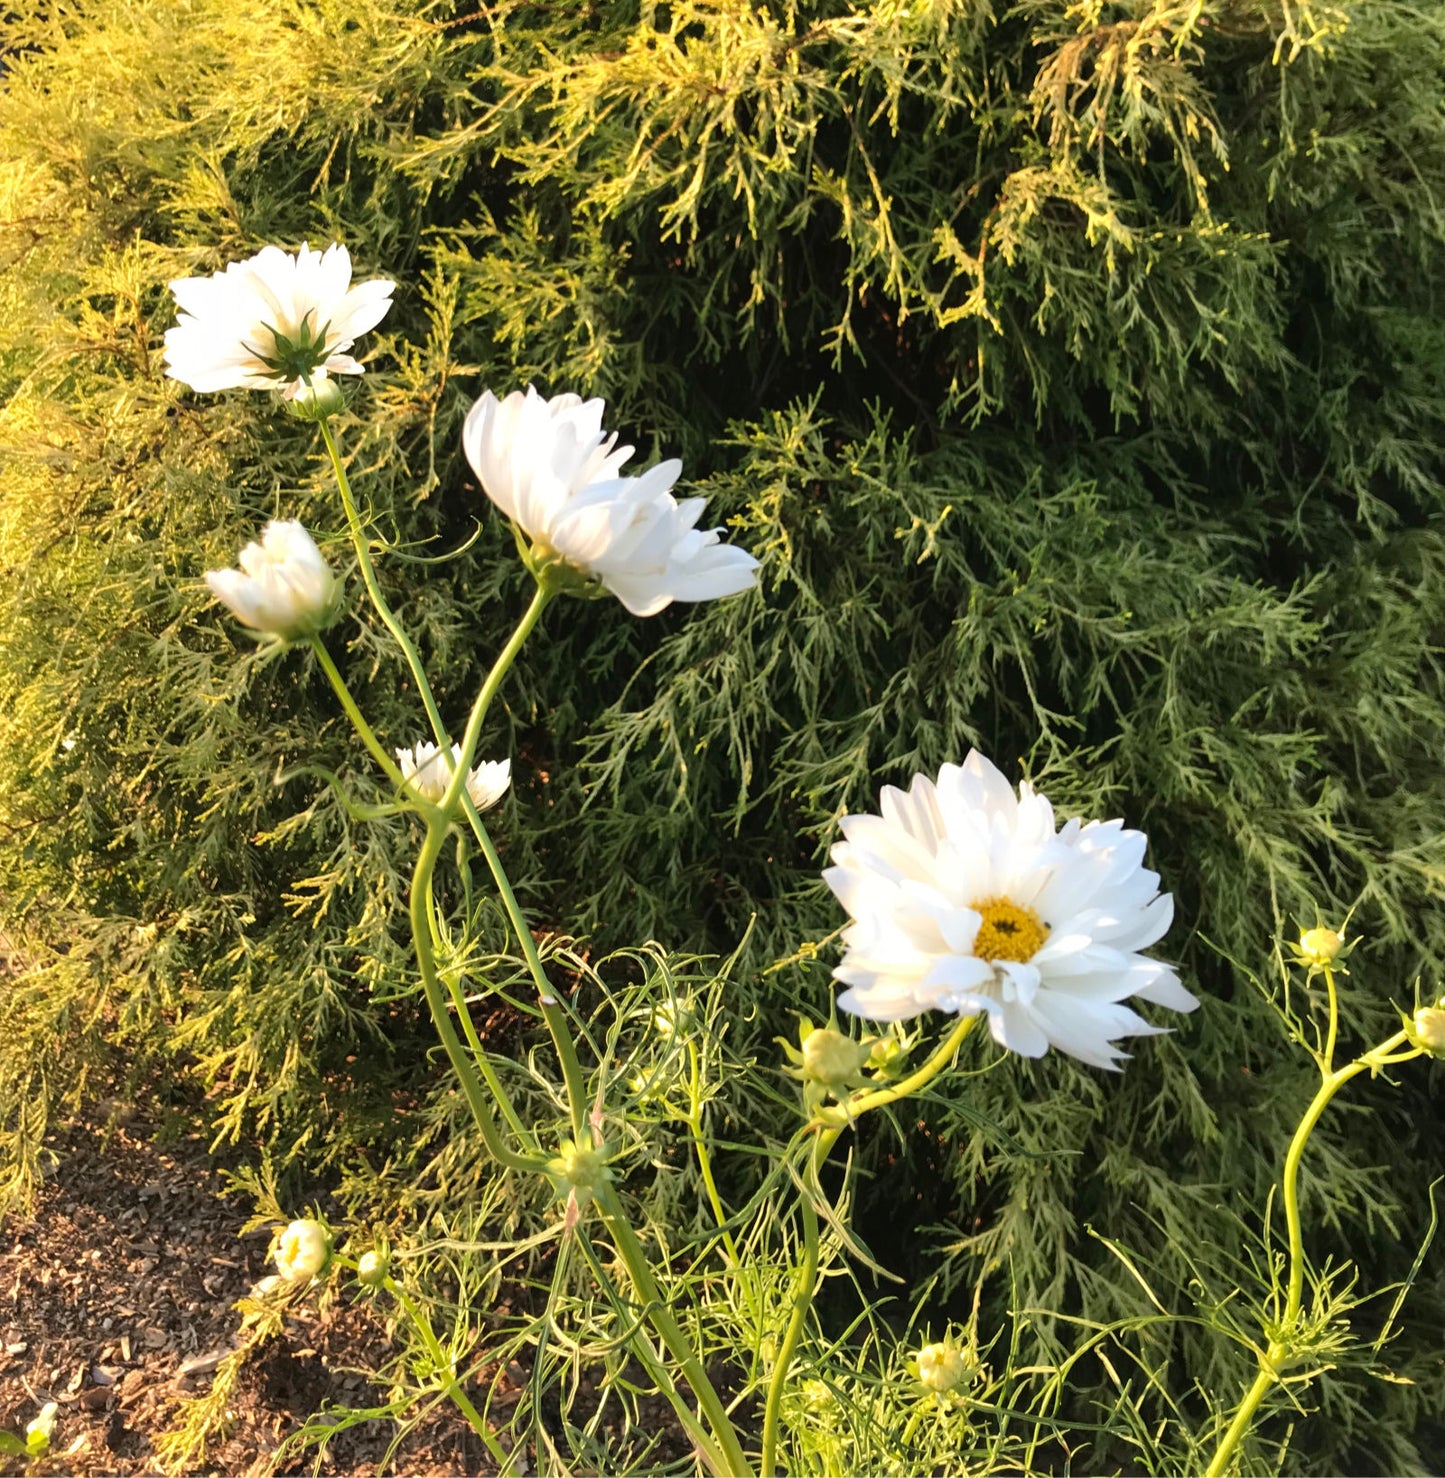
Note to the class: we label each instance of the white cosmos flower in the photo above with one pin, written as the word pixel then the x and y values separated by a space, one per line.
pixel 426 771
pixel 284 586
pixel 273 320
pixel 550 467
pixel 966 897
pixel 302 1251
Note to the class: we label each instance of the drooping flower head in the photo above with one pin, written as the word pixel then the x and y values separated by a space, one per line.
pixel 550 467
pixel 426 771
pixel 284 586
pixel 966 897
pixel 273 321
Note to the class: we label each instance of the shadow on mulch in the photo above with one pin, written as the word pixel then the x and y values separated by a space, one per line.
pixel 113 1295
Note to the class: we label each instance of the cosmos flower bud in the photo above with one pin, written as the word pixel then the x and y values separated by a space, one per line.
pixel 41 1431
pixel 1319 946
pixel 580 1169
pixel 372 1268
pixel 316 398
pixel 303 1251
pixel 832 1058
pixel 1427 1029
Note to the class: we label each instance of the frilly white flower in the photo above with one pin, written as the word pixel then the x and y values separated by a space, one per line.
pixel 966 898
pixel 273 320
pixel 303 1251
pixel 426 771
pixel 550 467
pixel 284 586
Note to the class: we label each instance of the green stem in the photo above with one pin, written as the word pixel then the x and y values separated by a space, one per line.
pixel 469 1030
pixel 373 586
pixel 660 1317
pixel 450 1383
pixel 1242 1420
pixel 1328 1065
pixel 435 998
pixel 802 1302
pixel 359 723
pixel 704 1157
pixel 1279 1350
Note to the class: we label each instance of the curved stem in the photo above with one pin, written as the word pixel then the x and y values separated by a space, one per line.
pixel 358 722
pixel 802 1302
pixel 1279 1350
pixel 373 586
pixel 461 1063
pixel 469 1030
pixel 660 1317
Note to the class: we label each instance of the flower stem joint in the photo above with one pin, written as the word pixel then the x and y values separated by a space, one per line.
pixel 578 1170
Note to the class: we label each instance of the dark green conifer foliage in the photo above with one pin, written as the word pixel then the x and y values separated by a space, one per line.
pixel 1075 369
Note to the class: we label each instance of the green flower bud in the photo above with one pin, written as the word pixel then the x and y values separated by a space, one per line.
pixel 833 1059
pixel 1319 946
pixel 372 1268
pixel 578 1169
pixel 316 399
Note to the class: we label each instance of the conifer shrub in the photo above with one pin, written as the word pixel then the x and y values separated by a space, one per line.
pixel 1074 369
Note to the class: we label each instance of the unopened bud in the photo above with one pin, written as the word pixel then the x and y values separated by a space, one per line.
pixel 580 1169
pixel 1427 1030
pixel 316 399
pixel 1319 946
pixel 372 1268
pixel 303 1251
pixel 832 1058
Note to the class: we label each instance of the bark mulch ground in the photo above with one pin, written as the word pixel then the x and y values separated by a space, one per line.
pixel 115 1300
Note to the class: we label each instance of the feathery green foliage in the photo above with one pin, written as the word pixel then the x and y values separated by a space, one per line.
pixel 1075 369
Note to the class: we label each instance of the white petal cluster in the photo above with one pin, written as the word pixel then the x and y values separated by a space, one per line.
pixel 273 320
pixel 302 1251
pixel 426 770
pixel 967 898
pixel 550 467
pixel 284 586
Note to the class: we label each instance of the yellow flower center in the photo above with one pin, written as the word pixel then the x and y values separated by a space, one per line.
pixel 1008 931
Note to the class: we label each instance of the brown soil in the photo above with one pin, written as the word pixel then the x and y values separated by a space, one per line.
pixel 116 1291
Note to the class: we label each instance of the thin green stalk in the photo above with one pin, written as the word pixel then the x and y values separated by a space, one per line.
pixel 802 1302
pixel 552 1012
pixel 358 722
pixel 469 1030
pixel 450 1382
pixel 660 1317
pixel 373 586
pixel 830 1122
pixel 704 1158
pixel 436 1001
pixel 1279 1350
pixel 1327 1066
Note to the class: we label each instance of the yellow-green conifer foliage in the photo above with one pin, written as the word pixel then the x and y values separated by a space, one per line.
pixel 1075 368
